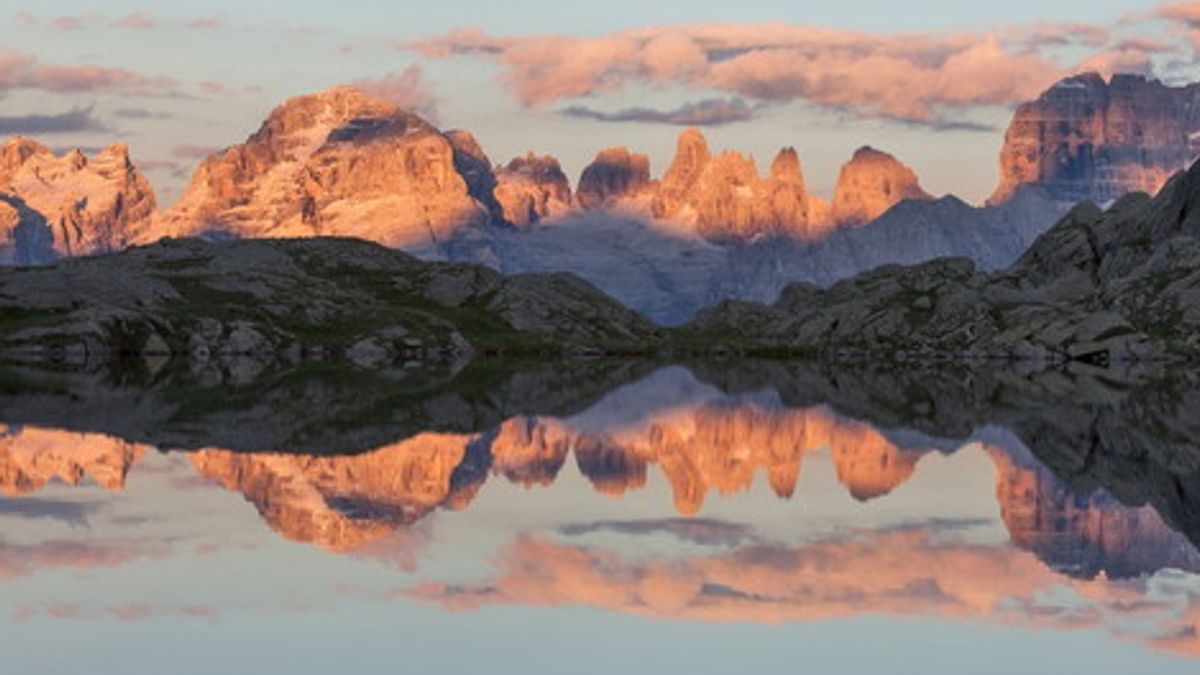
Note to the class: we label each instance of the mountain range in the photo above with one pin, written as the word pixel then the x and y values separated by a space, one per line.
pixel 345 163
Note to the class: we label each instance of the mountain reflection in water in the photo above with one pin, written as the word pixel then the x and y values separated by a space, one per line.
pixel 1094 487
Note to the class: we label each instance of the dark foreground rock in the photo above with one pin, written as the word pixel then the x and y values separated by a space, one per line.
pixel 293 300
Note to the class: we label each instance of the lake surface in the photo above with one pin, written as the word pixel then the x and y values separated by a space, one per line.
pixel 599 517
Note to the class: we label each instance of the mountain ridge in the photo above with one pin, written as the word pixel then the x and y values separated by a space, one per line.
pixel 344 163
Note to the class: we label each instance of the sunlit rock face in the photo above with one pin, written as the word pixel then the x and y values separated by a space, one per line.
pixel 871 183
pixel 30 458
pixel 63 205
pixel 1085 138
pixel 723 197
pixel 340 162
pixel 1083 535
pixel 615 174
pixel 340 503
pixel 531 189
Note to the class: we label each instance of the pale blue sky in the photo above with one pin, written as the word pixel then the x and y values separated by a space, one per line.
pixel 263 52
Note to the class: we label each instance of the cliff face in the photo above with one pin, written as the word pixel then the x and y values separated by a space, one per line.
pixel 616 173
pixel 66 205
pixel 1089 139
pixel 871 183
pixel 337 163
pixel 722 197
pixel 531 189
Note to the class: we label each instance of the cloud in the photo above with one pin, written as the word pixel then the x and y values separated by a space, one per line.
pixel 131 21
pixel 131 612
pixel 69 22
pixel 702 531
pixel 72 121
pixel 136 21
pixel 707 113
pixel 907 572
pixel 141 114
pixel 1187 13
pixel 206 23
pixel 406 88
pixel 70 512
pixel 213 87
pixel 945 124
pixel 20 71
pixel 910 77
pixel 24 559
pixel 1183 19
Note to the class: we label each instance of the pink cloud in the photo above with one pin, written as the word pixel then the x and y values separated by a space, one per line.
pixel 19 71
pixel 1183 12
pixel 406 88
pixel 909 77
pixel 68 22
pixel 1184 21
pixel 136 21
pixel 206 23
pixel 212 87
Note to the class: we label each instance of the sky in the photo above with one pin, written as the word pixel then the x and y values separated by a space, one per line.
pixel 932 81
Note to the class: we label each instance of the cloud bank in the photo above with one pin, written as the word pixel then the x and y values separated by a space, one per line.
pixel 75 120
pixel 20 71
pixel 924 78
pixel 406 88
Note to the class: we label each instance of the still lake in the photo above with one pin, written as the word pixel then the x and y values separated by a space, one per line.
pixel 600 517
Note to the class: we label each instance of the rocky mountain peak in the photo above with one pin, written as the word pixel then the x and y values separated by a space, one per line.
pixel 692 156
pixel 785 167
pixel 615 173
pixel 68 204
pixel 869 184
pixel 1085 138
pixel 313 116
pixel 341 162
pixel 16 151
pixel 531 189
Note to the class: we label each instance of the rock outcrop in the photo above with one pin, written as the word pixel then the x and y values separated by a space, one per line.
pixel 338 163
pixel 531 189
pixel 271 298
pixel 53 206
pixel 1087 139
pixel 871 183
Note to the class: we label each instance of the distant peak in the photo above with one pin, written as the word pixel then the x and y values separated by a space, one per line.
pixel 870 183
pixel 868 153
pixel 692 137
